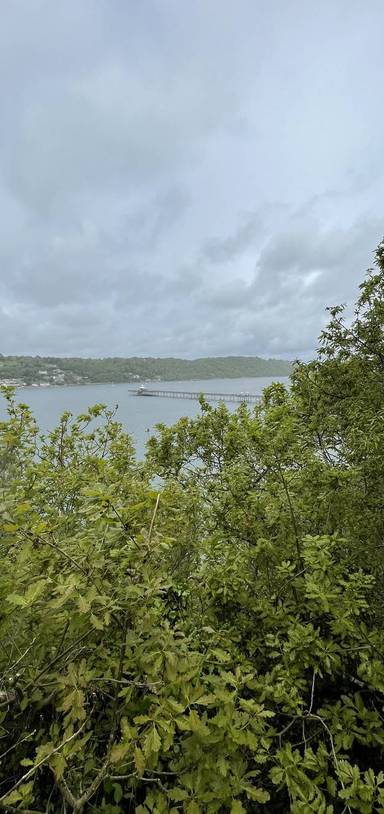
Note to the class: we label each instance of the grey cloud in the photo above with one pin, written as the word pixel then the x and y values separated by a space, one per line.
pixel 105 124
pixel 144 228
pixel 234 295
pixel 186 179
pixel 328 261
pixel 281 308
pixel 227 249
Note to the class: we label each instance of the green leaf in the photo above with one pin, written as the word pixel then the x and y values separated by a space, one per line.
pixel 178 795
pixel 96 622
pixel 152 742
pixel 34 591
pixel 13 797
pixel 222 765
pixel 192 723
pixel 22 793
pixel 196 724
pixel 58 764
pixel 220 655
pixel 206 700
pixel 253 793
pixel 118 752
pixel 237 807
pixel 83 605
pixel 117 792
pixel 16 599
pixel 139 761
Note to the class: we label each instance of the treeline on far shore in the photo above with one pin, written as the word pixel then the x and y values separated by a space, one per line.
pixel 54 370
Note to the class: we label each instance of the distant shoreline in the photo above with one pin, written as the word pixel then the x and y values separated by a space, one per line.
pixel 132 385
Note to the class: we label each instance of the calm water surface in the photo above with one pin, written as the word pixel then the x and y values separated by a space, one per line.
pixel 138 415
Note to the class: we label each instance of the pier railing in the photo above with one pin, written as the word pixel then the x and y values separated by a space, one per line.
pixel 247 398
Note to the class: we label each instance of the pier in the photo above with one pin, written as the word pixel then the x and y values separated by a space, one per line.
pixel 240 398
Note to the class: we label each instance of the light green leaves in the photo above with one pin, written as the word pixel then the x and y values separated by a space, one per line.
pixel 119 751
pixel 152 742
pixel 139 761
pixel 33 592
pixel 193 723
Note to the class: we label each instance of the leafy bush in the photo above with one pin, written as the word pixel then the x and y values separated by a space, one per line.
pixel 214 644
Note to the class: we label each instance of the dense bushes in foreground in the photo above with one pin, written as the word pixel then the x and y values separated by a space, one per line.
pixel 215 644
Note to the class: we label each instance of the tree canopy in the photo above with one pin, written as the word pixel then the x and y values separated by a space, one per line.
pixel 202 631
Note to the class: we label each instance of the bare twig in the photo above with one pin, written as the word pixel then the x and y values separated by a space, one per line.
pixel 79 803
pixel 34 769
pixel 58 657
pixel 336 762
pixel 18 743
pixel 312 693
pixel 153 518
pixel 14 810
pixel 12 667
pixel 66 556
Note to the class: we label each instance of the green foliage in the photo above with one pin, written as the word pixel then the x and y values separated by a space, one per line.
pixel 202 632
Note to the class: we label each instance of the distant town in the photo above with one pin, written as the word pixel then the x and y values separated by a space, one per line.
pixel 44 377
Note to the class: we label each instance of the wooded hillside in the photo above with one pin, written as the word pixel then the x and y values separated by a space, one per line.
pixel 53 370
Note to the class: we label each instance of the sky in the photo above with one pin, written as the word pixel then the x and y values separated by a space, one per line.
pixel 186 178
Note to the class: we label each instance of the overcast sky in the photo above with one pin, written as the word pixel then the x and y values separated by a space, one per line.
pixel 186 177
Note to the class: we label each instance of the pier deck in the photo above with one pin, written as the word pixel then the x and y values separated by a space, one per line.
pixel 247 398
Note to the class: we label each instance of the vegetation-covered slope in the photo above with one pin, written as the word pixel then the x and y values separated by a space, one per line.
pixel 215 644
pixel 36 369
